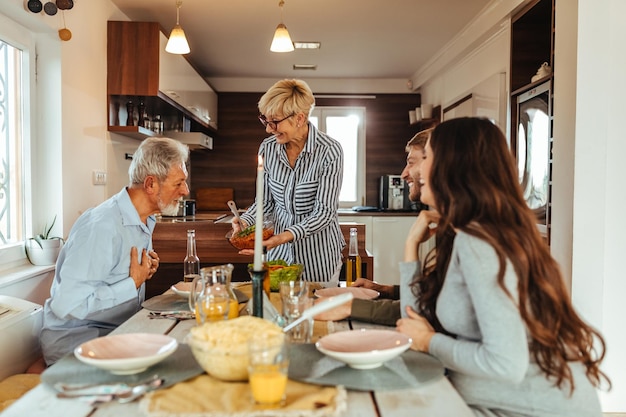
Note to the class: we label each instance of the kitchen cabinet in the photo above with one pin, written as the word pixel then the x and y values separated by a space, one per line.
pixel 169 240
pixel 532 44
pixel 385 237
pixel 141 75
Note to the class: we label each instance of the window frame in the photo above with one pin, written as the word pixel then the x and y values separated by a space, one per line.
pixel 321 113
pixel 13 254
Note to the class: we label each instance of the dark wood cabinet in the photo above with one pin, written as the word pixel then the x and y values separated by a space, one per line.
pixel 532 44
pixel 137 76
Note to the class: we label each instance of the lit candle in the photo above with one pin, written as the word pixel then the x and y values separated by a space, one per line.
pixel 258 232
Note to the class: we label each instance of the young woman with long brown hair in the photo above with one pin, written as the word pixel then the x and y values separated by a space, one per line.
pixel 493 306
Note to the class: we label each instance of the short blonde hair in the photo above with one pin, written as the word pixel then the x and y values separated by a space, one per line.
pixel 287 97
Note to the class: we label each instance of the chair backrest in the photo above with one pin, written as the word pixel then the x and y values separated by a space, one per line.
pixel 213 198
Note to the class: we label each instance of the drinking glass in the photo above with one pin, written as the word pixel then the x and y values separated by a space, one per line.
pixel 295 299
pixel 267 369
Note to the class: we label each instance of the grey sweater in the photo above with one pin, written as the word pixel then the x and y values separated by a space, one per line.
pixel 489 361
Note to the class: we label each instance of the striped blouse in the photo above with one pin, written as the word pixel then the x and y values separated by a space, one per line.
pixel 304 200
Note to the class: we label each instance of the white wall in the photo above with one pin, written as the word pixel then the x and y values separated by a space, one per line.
pixel 599 244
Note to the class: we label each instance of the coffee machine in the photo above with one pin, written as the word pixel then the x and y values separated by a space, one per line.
pixel 394 193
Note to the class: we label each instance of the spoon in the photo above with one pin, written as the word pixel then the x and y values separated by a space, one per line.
pixel 329 304
pixel 233 208
pixel 138 391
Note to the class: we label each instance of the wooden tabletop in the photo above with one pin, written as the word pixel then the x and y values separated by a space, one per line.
pixel 435 399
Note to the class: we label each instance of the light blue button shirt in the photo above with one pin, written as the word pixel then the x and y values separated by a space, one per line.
pixel 92 292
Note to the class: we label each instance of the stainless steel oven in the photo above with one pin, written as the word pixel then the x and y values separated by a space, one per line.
pixel 534 149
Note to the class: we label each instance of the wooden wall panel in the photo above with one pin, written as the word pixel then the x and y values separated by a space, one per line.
pixel 232 162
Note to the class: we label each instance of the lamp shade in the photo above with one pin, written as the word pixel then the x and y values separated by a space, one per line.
pixel 177 43
pixel 282 40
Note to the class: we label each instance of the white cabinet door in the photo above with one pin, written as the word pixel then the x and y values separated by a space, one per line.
pixel 388 236
pixel 367 221
pixel 180 81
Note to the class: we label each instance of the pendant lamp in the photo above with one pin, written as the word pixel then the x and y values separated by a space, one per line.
pixel 282 40
pixel 177 43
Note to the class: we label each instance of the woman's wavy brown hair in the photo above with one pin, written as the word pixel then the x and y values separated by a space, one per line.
pixel 474 183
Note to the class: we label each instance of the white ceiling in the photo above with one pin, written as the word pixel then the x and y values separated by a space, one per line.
pixel 384 39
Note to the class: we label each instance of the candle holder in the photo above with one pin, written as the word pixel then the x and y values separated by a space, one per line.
pixel 257 291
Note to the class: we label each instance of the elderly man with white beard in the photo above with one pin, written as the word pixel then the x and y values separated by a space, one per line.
pixel 102 269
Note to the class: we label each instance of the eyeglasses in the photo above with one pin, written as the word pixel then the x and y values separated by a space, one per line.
pixel 273 124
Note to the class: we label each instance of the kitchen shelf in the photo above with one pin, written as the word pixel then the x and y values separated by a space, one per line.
pixel 139 70
pixel 135 132
pixel 425 122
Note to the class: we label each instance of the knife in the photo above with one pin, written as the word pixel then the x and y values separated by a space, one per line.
pixel 328 304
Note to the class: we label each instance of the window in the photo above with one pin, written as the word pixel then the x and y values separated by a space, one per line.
pixel 347 125
pixel 16 104
pixel 11 191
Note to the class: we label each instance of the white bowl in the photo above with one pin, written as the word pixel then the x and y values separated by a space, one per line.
pixel 182 289
pixel 357 292
pixel 126 354
pixel 365 348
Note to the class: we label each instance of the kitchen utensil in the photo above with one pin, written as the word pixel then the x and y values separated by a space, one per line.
pixel 328 304
pixel 122 392
pixel 99 387
pixel 35 6
pixel 233 208
pixel 50 8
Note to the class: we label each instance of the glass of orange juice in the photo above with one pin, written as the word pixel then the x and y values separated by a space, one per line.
pixel 267 369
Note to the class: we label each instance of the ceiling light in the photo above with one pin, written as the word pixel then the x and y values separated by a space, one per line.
pixel 177 43
pixel 282 40
pixel 307 45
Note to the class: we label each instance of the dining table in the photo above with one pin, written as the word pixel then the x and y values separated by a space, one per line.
pixel 435 397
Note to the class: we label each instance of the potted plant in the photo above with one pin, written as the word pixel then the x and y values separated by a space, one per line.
pixel 44 249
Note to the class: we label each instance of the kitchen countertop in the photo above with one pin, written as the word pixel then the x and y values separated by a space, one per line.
pixel 378 212
pixel 226 217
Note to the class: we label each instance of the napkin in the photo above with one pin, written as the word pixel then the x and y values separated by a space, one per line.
pixel 205 396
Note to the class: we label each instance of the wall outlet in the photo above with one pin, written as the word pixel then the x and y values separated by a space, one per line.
pixel 99 177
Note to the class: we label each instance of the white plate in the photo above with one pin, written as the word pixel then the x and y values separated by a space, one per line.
pixel 357 292
pixel 126 354
pixel 182 289
pixel 365 348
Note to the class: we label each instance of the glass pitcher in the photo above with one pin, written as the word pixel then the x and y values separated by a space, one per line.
pixel 211 296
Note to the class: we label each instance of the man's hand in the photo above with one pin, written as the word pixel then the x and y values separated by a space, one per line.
pixel 338 313
pixel 155 262
pixel 386 291
pixel 142 271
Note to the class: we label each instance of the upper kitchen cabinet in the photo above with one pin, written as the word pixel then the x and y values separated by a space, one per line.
pixel 532 44
pixel 532 58
pixel 160 91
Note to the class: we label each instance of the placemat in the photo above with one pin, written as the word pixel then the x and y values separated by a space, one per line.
pixel 410 370
pixel 171 301
pixel 179 366
pixel 206 396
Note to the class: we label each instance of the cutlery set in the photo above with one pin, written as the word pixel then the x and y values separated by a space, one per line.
pixel 174 315
pixel 101 393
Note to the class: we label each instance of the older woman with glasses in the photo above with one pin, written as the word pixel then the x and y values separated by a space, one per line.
pixel 303 176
